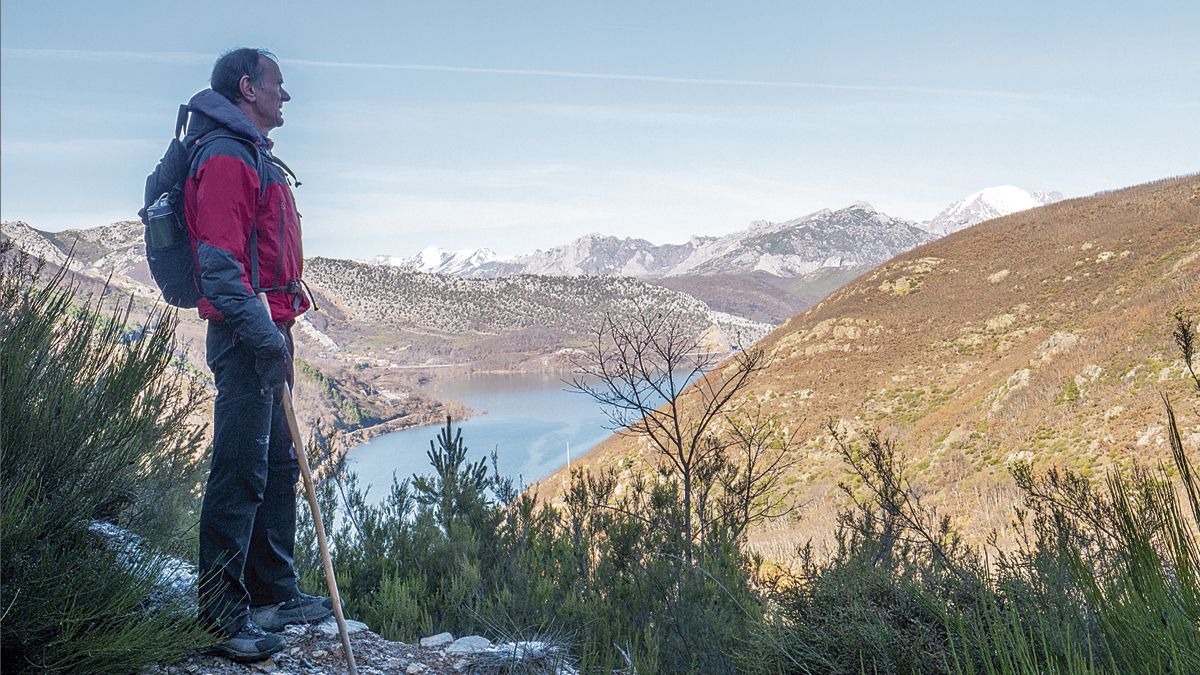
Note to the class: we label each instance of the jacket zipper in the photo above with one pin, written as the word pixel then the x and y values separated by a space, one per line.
pixel 282 244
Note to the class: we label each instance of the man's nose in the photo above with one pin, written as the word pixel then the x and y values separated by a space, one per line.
pixel 286 96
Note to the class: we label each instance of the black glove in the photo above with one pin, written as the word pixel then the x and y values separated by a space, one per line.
pixel 273 366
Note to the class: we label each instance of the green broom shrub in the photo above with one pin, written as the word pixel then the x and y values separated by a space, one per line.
pixel 92 427
pixel 605 574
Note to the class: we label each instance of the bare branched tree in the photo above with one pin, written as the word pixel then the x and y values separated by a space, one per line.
pixel 903 518
pixel 655 378
pixel 762 452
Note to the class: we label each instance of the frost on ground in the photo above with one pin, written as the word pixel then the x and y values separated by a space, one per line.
pixel 174 579
pixel 316 648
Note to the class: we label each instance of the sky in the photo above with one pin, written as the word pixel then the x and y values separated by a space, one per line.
pixel 524 125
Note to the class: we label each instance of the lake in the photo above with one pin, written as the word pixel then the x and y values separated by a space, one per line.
pixel 530 420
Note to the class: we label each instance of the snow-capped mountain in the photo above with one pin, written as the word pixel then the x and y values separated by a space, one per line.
pixel 440 261
pixel 599 254
pixel 986 204
pixel 851 237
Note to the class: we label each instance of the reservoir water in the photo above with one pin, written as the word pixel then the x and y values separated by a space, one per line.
pixel 530 420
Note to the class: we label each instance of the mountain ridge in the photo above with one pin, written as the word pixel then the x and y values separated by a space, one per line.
pixel 435 260
pixel 824 238
pixel 597 253
pixel 767 271
pixel 451 305
pixel 986 204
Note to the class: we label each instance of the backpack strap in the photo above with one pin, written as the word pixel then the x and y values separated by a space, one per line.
pixel 181 121
pixel 279 163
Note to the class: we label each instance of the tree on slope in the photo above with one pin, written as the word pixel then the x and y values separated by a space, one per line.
pixel 656 378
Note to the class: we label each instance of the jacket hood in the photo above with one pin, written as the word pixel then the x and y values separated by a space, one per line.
pixel 211 111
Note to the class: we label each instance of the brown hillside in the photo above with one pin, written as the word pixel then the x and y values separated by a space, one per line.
pixel 1042 336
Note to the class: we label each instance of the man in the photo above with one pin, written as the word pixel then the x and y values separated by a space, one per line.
pixel 246 231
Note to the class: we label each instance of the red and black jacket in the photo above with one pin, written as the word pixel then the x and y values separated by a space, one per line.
pixel 243 222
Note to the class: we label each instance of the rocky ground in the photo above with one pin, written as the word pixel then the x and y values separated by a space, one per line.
pixel 316 649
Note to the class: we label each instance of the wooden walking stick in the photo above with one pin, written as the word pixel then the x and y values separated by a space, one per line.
pixel 311 490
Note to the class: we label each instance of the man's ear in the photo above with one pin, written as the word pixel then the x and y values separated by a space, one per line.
pixel 246 88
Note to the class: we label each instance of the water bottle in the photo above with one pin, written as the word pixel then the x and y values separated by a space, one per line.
pixel 162 225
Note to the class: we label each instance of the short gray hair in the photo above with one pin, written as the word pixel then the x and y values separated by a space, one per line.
pixel 235 64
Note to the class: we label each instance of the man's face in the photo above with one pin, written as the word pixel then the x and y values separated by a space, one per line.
pixel 269 98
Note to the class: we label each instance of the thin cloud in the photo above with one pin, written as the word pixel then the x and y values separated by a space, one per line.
pixel 105 55
pixel 76 148
pixel 538 72
pixel 192 57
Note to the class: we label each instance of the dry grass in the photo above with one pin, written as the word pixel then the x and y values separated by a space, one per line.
pixel 1038 336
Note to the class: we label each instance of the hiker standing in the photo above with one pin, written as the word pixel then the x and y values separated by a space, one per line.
pixel 245 230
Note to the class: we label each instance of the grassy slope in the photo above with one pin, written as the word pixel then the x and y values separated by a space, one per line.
pixel 1041 335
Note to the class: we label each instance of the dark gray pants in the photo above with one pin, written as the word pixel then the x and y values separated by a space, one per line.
pixel 248 520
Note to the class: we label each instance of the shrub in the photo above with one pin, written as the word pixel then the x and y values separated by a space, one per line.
pixel 606 572
pixel 1106 578
pixel 93 426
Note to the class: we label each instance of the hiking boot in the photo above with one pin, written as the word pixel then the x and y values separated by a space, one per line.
pixel 249 643
pixel 300 609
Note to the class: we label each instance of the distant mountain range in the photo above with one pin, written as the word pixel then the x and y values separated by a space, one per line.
pixel 748 279
pixel 766 272
pixel 856 236
pixel 462 263
pixel 412 317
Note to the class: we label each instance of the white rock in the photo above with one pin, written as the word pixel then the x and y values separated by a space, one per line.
pixel 329 627
pixel 526 649
pixel 435 641
pixel 176 579
pixel 469 645
pixel 415 668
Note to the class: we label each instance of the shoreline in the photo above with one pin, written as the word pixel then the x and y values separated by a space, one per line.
pixel 408 420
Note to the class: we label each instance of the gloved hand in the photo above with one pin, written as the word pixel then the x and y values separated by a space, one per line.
pixel 273 366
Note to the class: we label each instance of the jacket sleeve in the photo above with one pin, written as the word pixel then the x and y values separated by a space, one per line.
pixel 226 202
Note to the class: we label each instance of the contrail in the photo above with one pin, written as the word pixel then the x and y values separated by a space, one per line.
pixel 192 57
pixel 538 72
